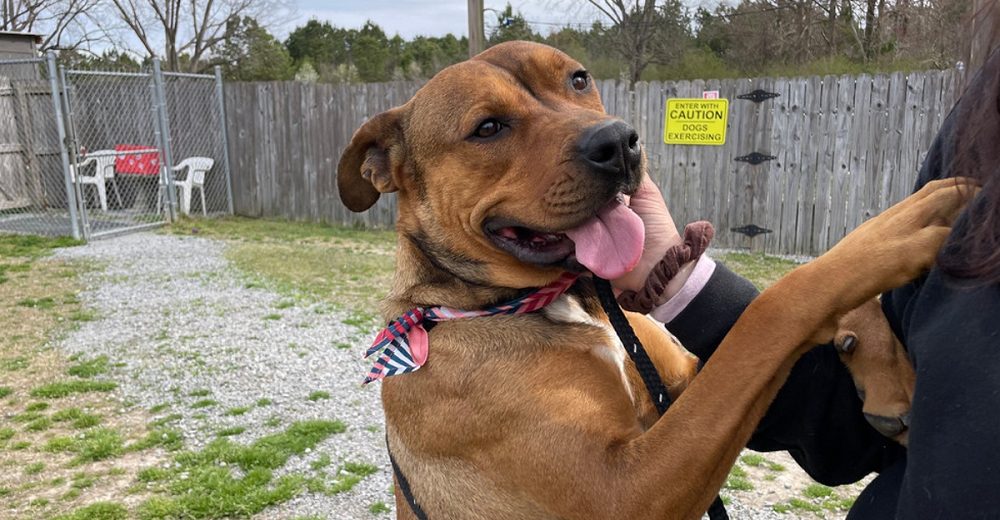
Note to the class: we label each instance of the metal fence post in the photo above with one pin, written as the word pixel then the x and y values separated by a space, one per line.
pixel 160 95
pixel 50 59
pixel 225 135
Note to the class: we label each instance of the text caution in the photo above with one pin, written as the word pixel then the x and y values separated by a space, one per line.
pixel 696 121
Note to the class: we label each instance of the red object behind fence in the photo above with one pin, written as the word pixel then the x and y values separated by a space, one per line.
pixel 137 163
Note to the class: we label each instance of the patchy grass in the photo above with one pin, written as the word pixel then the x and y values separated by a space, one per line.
pixel 319 394
pixel 238 410
pixel 97 511
pixel 760 269
pixel 202 484
pixel 753 460
pixel 322 462
pixel 60 389
pixel 166 438
pixel 738 480
pixel 348 268
pixel 36 407
pixel 13 364
pixel 89 446
pixel 817 491
pixel 204 403
pixel 818 499
pixel 378 508
pixel 231 431
pixel 91 368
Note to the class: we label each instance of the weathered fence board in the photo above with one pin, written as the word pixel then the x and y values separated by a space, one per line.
pixel 845 148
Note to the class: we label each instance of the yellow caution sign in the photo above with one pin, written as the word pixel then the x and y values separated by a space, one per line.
pixel 696 121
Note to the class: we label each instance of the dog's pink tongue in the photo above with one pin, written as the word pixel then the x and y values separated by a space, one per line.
pixel 609 244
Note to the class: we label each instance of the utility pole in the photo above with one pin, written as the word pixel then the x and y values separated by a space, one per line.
pixel 477 37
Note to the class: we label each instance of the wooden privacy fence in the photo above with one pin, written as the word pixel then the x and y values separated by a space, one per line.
pixel 799 169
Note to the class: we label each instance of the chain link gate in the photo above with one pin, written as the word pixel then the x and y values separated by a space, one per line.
pixel 36 192
pixel 114 149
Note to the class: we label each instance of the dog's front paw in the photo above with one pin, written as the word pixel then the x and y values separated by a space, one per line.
pixel 898 245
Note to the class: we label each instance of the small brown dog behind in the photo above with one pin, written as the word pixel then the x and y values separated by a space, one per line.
pixel 880 367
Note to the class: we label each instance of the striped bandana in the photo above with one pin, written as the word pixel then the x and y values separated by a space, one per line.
pixel 403 343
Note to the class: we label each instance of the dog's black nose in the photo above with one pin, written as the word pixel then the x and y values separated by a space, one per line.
pixel 611 148
pixel 888 426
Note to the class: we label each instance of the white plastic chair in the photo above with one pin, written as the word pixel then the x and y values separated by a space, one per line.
pixel 104 171
pixel 195 169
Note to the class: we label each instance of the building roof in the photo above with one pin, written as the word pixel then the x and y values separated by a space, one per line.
pixel 38 37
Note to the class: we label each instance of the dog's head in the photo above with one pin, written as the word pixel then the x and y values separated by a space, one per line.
pixel 880 368
pixel 507 170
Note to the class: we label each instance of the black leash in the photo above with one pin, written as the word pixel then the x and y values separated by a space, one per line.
pixel 650 377
pixel 404 486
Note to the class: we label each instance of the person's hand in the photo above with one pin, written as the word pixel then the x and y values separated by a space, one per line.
pixel 661 235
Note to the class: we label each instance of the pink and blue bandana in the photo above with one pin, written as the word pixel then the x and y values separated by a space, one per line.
pixel 402 345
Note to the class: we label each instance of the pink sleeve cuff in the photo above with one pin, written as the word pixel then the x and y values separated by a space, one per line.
pixel 703 270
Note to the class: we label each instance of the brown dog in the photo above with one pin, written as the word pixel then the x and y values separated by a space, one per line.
pixel 880 367
pixel 496 161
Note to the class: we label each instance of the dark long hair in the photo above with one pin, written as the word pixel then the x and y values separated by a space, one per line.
pixel 973 250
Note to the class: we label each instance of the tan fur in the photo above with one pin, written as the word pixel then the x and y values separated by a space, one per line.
pixel 528 417
pixel 878 363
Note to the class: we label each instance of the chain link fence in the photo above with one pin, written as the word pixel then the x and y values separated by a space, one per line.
pixel 93 153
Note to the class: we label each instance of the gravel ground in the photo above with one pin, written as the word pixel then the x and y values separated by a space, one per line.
pixel 181 319
pixel 178 318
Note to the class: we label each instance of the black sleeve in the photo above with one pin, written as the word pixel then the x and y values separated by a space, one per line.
pixel 816 415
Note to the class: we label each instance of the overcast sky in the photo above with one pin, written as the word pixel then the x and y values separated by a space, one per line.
pixel 410 18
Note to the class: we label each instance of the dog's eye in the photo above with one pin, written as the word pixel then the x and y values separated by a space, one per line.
pixel 488 128
pixel 846 345
pixel 580 80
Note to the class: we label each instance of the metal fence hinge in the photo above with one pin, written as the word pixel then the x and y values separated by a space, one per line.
pixel 758 95
pixel 750 230
pixel 755 158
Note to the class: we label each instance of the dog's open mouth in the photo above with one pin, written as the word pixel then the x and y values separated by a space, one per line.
pixel 608 244
pixel 529 245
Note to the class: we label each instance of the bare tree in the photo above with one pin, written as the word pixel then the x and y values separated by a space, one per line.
pixel 643 33
pixel 185 32
pixel 63 24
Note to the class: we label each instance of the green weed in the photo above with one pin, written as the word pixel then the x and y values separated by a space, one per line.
pixel 91 368
pixel 65 388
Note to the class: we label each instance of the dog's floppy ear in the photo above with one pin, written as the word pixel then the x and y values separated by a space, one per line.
pixel 367 165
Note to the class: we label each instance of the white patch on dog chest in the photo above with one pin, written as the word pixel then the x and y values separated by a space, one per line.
pixel 567 309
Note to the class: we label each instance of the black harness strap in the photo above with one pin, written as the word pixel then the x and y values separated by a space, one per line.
pixel 650 377
pixel 404 485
